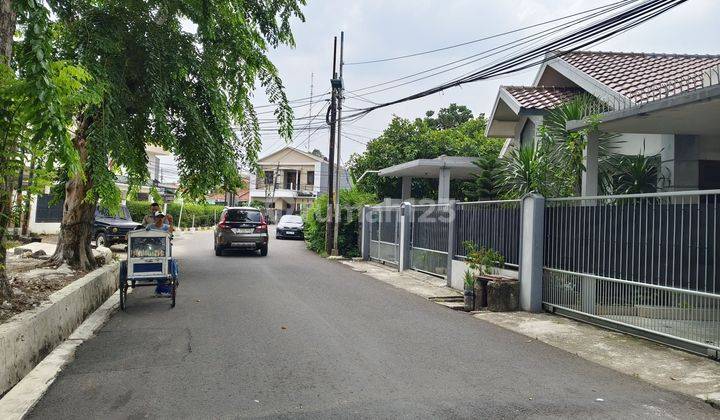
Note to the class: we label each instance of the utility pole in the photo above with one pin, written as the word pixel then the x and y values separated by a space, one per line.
pixel 336 227
pixel 330 119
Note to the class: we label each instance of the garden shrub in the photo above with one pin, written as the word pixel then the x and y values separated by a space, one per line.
pixel 351 203
pixel 205 214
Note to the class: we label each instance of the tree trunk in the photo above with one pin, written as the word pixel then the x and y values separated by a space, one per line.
pixel 17 219
pixel 5 213
pixel 26 205
pixel 76 227
pixel 8 21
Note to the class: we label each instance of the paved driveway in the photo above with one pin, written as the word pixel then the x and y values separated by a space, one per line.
pixel 294 335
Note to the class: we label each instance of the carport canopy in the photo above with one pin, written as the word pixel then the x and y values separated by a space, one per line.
pixel 443 168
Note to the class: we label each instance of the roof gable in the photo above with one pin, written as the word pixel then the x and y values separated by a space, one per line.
pixel 541 97
pixel 289 153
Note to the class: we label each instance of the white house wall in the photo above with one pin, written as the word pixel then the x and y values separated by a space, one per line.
pixel 634 144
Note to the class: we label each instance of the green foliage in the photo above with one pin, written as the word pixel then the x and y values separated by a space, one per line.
pixel 553 166
pixel 452 116
pixel 483 260
pixel 534 168
pixel 258 204
pixel 186 91
pixel 138 209
pixel 351 204
pixel 404 140
pixel 487 185
pixel 469 280
pixel 633 174
pixel 155 195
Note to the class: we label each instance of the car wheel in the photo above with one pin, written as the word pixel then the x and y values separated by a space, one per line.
pixel 263 250
pixel 101 240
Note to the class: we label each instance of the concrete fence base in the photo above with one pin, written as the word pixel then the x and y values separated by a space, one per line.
pixel 28 337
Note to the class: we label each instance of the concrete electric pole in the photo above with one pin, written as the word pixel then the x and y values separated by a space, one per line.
pixel 330 119
pixel 336 227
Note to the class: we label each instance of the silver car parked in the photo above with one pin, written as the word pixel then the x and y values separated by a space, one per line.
pixel 290 226
pixel 241 228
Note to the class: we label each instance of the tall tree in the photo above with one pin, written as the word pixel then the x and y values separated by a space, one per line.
pixel 177 74
pixel 8 21
pixel 35 96
pixel 452 116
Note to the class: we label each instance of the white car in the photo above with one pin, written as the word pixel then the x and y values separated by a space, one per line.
pixel 290 226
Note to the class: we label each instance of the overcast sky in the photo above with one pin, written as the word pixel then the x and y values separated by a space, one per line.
pixel 379 28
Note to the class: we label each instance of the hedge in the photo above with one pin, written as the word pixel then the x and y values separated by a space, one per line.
pixel 205 214
pixel 351 203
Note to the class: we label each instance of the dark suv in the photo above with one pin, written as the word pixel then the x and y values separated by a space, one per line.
pixel 109 230
pixel 241 228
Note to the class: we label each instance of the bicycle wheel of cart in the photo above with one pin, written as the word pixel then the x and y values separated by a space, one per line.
pixel 173 293
pixel 123 284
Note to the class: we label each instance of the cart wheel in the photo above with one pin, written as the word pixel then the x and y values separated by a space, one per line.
pixel 123 296
pixel 123 284
pixel 173 293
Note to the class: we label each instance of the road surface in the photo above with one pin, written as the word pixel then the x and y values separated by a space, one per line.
pixel 294 335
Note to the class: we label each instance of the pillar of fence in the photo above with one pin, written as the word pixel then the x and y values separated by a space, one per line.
pixel 452 206
pixel 365 233
pixel 406 213
pixel 531 252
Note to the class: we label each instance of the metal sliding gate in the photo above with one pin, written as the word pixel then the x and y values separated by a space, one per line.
pixel 429 238
pixel 385 234
pixel 645 264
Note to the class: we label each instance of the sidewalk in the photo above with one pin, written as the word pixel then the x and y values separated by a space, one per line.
pixel 665 367
pixel 421 284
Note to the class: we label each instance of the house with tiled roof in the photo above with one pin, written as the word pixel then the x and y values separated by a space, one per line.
pixel 623 82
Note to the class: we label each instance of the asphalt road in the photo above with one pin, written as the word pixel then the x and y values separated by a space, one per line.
pixel 294 335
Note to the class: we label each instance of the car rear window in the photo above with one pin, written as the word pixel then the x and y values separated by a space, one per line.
pixel 238 215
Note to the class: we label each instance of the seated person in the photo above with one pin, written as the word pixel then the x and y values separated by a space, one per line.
pixel 159 223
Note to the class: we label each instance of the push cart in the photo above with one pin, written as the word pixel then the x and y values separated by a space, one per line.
pixel 149 263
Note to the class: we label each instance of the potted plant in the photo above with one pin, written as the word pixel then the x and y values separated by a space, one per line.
pixel 485 263
pixel 469 292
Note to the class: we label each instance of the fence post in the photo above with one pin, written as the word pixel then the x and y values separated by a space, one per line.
pixel 406 212
pixel 365 233
pixel 452 207
pixel 532 222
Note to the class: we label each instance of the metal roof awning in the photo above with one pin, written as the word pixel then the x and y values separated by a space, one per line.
pixel 460 167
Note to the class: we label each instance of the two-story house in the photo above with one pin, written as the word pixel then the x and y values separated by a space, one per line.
pixel 291 180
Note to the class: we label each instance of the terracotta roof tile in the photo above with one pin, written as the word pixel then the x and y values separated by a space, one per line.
pixel 639 76
pixel 541 97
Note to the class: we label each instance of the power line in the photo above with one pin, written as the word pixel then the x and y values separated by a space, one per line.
pixel 400 57
pixel 534 37
pixel 579 39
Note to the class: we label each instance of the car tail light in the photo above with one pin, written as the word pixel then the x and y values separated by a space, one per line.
pixel 222 224
pixel 262 227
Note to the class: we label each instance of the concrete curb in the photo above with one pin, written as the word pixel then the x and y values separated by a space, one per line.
pixel 28 337
pixel 23 396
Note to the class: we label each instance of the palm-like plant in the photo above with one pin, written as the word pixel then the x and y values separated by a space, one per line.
pixel 633 174
pixel 571 144
pixel 533 169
